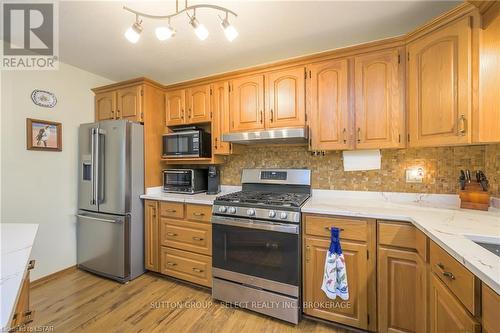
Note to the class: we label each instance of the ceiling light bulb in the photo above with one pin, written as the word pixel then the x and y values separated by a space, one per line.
pixel 164 33
pixel 229 30
pixel 134 32
pixel 199 29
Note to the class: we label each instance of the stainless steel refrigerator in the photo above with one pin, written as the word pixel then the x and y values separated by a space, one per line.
pixel 110 232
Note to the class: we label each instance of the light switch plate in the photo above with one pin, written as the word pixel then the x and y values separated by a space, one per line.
pixel 415 175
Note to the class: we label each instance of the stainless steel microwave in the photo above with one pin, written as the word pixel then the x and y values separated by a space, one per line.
pixel 188 181
pixel 187 143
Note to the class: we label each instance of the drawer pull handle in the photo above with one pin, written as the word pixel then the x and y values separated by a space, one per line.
pixel 329 229
pixel 449 275
pixel 197 239
pixel 171 264
pixel 197 270
pixel 171 234
pixel 171 210
pixel 31 265
pixel 198 214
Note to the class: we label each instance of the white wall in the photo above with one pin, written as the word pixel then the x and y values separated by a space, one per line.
pixel 37 186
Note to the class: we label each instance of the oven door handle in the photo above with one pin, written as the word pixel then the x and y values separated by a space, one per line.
pixel 261 225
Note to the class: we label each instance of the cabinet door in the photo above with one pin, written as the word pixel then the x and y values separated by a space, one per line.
pixel 105 105
pixel 198 104
pixel 247 103
pixel 490 309
pixel 286 98
pixel 129 105
pixel 439 86
pixel 220 121
pixel 402 291
pixel 447 313
pixel 151 231
pixel 379 109
pixel 328 105
pixel 175 107
pixel 354 311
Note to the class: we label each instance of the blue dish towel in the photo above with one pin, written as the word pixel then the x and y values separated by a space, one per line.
pixel 335 275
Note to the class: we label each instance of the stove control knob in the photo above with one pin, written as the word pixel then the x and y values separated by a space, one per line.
pixel 283 215
pixel 232 210
pixel 222 209
pixel 251 212
pixel 272 213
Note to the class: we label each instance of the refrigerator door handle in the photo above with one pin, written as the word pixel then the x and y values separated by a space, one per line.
pixel 93 163
pixel 98 219
pixel 101 143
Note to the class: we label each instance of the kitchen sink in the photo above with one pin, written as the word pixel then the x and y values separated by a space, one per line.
pixel 489 243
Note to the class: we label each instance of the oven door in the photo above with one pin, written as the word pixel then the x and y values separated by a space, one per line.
pixel 182 144
pixel 262 249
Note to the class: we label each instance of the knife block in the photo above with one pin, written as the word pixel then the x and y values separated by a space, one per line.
pixel 473 197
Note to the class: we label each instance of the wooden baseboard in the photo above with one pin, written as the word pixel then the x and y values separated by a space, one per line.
pixel 47 278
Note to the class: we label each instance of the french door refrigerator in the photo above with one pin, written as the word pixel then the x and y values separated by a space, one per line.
pixel 110 232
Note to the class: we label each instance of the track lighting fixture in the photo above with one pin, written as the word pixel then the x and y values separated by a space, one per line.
pixel 133 33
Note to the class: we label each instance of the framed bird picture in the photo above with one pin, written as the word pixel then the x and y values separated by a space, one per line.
pixel 43 135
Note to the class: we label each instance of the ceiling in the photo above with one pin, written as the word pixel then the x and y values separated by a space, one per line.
pixel 91 34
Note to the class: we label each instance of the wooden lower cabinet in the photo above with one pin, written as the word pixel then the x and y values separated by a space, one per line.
pixel 151 230
pixel 186 265
pixel 490 310
pixel 446 312
pixel 22 313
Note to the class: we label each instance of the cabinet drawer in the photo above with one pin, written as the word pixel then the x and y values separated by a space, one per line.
pixel 172 209
pixel 184 235
pixel 462 283
pixel 187 266
pixel 201 213
pixel 355 229
pixel 401 234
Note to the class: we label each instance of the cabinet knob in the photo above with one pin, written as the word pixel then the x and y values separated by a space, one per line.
pixel 261 116
pixel 359 135
pixel 198 214
pixel 171 264
pixel 171 234
pixel 272 115
pixel 197 239
pixel 462 127
pixel 344 135
pixel 197 270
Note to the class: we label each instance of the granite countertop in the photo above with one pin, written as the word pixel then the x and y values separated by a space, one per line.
pixel 438 216
pixel 155 193
pixel 16 242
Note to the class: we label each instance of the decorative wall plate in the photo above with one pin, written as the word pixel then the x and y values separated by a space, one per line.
pixel 43 98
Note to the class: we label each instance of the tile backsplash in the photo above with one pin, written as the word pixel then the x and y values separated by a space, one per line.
pixel 441 166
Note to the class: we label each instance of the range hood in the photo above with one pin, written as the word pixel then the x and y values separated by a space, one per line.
pixel 274 136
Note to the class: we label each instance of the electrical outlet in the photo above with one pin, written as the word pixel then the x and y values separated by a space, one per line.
pixel 415 175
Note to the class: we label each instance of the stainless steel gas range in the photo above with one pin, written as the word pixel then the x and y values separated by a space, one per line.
pixel 256 249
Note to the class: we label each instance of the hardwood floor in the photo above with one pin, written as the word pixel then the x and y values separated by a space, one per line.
pixel 81 302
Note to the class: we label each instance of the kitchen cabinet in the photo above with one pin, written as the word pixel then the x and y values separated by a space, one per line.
pixel 246 103
pixel 151 231
pixel 328 105
pixel 486 124
pixel 105 105
pixel 446 312
pixel 198 104
pixel 402 278
pixel 175 107
pixel 358 242
pixel 122 103
pixel 379 100
pixel 440 86
pixel 22 312
pixel 220 121
pixel 129 103
pixel 286 98
pixel 490 310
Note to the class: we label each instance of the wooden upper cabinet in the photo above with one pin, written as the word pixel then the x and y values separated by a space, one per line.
pixel 198 104
pixel 487 118
pixel 447 313
pixel 439 86
pixel 105 105
pixel 175 107
pixel 247 103
pixel 379 102
pixel 328 106
pixel 286 98
pixel 220 119
pixel 129 103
